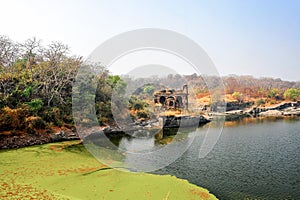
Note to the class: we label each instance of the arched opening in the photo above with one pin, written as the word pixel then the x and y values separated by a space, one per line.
pixel 162 99
pixel 179 101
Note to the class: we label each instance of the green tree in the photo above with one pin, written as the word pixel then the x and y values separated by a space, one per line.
pixel 291 94
pixel 149 89
pixel 237 96
pixel 274 93
pixel 118 84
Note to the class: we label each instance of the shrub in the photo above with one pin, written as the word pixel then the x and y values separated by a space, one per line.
pixel 52 115
pixel 2 103
pixel 142 114
pixel 102 120
pixel 69 119
pixel 12 118
pixel 260 102
pixel 26 92
pixel 237 96
pixel 35 105
pixel 137 104
pixel 33 123
pixel 272 102
pixel 273 93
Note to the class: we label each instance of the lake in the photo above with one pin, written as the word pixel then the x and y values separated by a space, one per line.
pixel 253 159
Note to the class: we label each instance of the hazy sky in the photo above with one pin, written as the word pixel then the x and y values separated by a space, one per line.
pixel 260 38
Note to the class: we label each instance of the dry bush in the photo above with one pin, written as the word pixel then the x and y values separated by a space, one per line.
pixel 34 123
pixel 12 119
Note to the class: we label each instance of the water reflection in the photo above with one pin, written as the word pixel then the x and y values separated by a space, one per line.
pixel 254 159
pixel 144 151
pixel 256 120
pixel 137 145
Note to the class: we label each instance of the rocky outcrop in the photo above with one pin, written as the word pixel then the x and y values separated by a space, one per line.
pixel 291 111
pixel 282 109
pixel 63 136
pixel 231 106
pixel 271 113
pixel 182 121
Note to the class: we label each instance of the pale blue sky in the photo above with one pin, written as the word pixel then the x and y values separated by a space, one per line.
pixel 260 38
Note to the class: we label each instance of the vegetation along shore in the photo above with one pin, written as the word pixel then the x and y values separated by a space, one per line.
pixel 36 95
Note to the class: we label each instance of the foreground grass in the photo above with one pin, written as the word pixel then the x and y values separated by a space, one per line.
pixel 67 171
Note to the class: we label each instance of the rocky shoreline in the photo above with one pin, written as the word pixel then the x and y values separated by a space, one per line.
pixel 23 140
pixel 19 141
pixel 284 109
pixel 12 141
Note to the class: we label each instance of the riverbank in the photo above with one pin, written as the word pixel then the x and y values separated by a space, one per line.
pixel 67 171
pixel 19 139
pixel 13 139
pixel 280 110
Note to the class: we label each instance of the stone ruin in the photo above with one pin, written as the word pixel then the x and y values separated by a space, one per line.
pixel 170 99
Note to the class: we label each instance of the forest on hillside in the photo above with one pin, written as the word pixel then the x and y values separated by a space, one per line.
pixel 36 87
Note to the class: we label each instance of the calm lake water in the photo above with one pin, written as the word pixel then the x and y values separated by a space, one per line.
pixel 253 159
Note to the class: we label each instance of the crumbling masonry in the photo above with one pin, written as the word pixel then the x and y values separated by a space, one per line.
pixel 172 99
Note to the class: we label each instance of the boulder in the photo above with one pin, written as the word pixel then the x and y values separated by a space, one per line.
pixel 107 129
pixel 271 113
pixel 292 112
pixel 59 136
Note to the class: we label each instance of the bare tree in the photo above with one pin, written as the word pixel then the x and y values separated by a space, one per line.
pixel 58 78
pixel 9 51
pixel 31 51
pixel 56 53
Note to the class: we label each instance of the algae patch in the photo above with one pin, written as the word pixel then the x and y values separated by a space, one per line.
pixel 67 171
